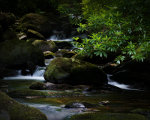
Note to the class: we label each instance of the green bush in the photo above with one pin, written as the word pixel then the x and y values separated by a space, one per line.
pixel 115 27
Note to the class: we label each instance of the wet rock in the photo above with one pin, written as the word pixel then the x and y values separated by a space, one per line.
pixel 34 34
pixel 104 102
pixel 22 36
pixel 65 53
pixel 74 72
pixel 109 67
pixel 45 45
pixel 48 54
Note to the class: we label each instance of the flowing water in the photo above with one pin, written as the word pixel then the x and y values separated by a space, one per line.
pixel 55 112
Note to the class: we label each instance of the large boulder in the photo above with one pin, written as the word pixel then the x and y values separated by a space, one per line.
pixel 36 22
pixel 75 72
pixel 133 73
pixel 20 54
pixel 45 45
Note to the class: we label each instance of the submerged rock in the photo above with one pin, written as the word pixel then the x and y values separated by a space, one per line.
pixel 75 72
pixel 45 45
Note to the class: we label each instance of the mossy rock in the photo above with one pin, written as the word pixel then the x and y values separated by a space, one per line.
pixel 75 72
pixel 108 116
pixel 65 53
pixel 34 34
pixel 17 111
pixel 20 54
pixel 45 45
pixel 48 54
pixel 36 22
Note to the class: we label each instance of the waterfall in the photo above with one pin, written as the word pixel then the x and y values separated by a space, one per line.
pixel 37 75
pixel 119 85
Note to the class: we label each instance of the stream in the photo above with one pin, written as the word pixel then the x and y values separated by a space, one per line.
pixel 57 112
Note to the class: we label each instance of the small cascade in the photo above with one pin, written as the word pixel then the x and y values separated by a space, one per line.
pixel 37 75
pixel 57 38
pixel 116 84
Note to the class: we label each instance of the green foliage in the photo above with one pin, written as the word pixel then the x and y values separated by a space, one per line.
pixel 113 28
pixel 71 9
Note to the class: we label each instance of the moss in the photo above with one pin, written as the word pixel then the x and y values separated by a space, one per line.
pixel 49 54
pixel 74 72
pixel 45 45
pixel 108 116
pixel 34 34
pixel 18 111
pixel 23 93
pixel 65 53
